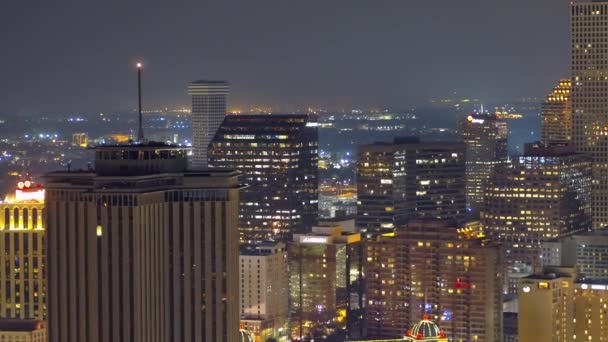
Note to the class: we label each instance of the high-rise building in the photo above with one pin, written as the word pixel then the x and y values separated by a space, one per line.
pixel 22 256
pixel 587 252
pixel 556 305
pixel 557 115
pixel 18 330
pixel 546 309
pixel 485 137
pixel 80 139
pixel 450 273
pixel 590 311
pixel 278 156
pixel 589 26
pixel 406 179
pixel 209 101
pixel 140 249
pixel 542 195
pixel 326 282
pixel 264 285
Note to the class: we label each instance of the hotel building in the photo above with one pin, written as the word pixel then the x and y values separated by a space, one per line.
pixel 450 273
pixel 22 258
pixel 142 250
pixel 326 281
pixel 264 294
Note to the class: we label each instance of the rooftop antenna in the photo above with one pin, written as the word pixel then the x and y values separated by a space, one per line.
pixel 140 130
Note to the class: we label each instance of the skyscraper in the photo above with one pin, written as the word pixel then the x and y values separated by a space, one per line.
pixel 431 267
pixel 557 115
pixel 264 284
pixel 142 250
pixel 542 195
pixel 209 101
pixel 22 240
pixel 485 138
pixel 326 286
pixel 406 179
pixel 589 22
pixel 587 252
pixel 546 306
pixel 278 156
pixel 556 305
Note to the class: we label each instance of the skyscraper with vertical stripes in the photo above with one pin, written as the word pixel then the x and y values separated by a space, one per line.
pixel 589 29
pixel 142 250
pixel 208 111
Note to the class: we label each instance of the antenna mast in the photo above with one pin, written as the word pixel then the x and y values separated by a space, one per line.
pixel 140 130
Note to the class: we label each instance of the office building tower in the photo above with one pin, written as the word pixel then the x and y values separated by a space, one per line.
pixel 80 139
pixel 278 156
pixel 557 305
pixel 450 273
pixel 142 250
pixel 485 137
pixel 209 101
pixel 22 240
pixel 406 179
pixel 589 26
pixel 590 310
pixel 556 115
pixel 264 291
pixel 540 196
pixel 17 330
pixel 588 253
pixel 546 308
pixel 326 282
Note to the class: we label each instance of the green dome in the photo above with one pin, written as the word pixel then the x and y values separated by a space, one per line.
pixel 426 329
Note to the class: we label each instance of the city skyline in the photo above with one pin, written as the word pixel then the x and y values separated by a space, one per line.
pixel 431 171
pixel 323 54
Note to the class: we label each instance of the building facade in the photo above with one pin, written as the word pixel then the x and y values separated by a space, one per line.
pixel 18 330
pixel 485 137
pixel 209 101
pixel 546 306
pixel 557 305
pixel 22 240
pixel 588 253
pixel 278 157
pixel 589 26
pixel 540 196
pixel 80 139
pixel 433 268
pixel 326 282
pixel 556 115
pixel 408 179
pixel 264 293
pixel 142 250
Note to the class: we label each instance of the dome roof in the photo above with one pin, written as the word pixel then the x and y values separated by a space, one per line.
pixel 246 336
pixel 426 329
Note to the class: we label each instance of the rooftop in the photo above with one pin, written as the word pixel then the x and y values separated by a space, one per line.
pixel 21 325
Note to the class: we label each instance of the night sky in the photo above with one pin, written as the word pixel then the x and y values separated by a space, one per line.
pixel 61 56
